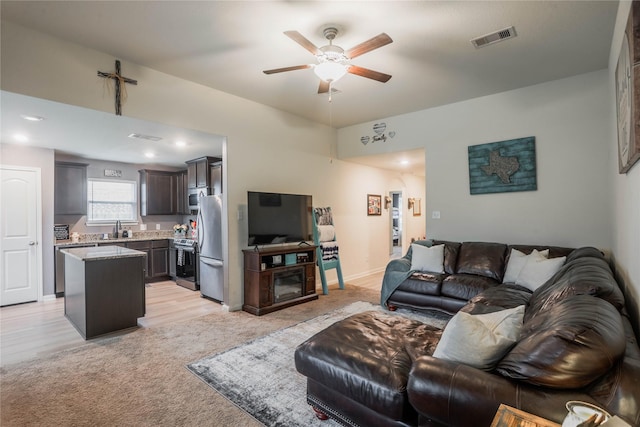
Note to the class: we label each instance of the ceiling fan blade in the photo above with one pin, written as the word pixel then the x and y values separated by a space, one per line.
pixel 282 70
pixel 369 45
pixel 370 74
pixel 302 41
pixel 324 87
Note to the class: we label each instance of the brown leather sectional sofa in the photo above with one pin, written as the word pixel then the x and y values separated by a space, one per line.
pixel 576 343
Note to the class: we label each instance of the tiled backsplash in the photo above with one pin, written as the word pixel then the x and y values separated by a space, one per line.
pixel 149 234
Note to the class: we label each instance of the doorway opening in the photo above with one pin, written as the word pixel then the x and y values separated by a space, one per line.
pixel 396 224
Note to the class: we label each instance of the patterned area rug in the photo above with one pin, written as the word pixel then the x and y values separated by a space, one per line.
pixel 260 376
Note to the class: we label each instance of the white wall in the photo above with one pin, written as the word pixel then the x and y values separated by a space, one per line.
pixel 571 125
pixel 625 188
pixel 267 149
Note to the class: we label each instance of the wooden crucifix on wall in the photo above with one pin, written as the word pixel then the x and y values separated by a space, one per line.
pixel 119 81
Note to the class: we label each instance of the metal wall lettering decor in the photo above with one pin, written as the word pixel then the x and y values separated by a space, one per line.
pixel 504 166
pixel 379 136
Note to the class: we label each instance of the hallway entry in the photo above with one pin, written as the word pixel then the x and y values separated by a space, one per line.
pixel 396 224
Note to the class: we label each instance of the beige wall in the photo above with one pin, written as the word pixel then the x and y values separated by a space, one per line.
pixel 570 122
pixel 266 149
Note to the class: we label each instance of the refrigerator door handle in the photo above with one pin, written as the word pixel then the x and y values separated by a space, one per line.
pixel 216 263
pixel 201 231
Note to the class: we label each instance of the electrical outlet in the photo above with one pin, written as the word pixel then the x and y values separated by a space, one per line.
pixel 435 214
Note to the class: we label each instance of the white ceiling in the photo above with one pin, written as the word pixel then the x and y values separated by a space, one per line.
pixel 227 44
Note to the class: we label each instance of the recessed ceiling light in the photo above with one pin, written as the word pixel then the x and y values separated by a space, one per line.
pixel 149 154
pixel 32 118
pixel 20 137
pixel 404 162
pixel 181 144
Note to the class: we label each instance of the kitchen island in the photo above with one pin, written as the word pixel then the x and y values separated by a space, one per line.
pixel 104 288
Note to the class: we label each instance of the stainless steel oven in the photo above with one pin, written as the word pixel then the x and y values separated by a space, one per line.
pixel 183 265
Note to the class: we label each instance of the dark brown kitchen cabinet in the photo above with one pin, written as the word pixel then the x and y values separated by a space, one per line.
pixel 182 193
pixel 199 171
pixel 157 258
pixel 158 192
pixel 215 177
pixel 70 188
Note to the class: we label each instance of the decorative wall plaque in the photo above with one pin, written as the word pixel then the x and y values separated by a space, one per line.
pixel 503 166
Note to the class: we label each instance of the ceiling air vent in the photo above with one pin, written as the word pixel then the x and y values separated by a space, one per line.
pixel 494 37
pixel 142 136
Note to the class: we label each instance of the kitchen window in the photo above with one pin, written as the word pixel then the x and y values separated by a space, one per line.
pixel 111 200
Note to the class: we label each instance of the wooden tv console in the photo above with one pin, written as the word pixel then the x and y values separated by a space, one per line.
pixel 278 277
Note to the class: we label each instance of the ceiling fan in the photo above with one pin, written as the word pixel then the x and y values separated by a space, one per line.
pixel 333 61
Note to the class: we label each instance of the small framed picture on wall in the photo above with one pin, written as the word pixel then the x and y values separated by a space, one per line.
pixel 374 204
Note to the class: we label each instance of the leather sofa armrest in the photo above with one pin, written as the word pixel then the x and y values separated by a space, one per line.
pixel 454 394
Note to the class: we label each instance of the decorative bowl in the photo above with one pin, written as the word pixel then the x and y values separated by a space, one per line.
pixel 579 412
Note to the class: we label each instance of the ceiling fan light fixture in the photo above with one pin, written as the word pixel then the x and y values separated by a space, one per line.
pixel 330 71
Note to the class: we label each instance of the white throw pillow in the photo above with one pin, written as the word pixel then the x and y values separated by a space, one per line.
pixel 326 233
pixel 538 270
pixel 517 260
pixel 427 258
pixel 480 340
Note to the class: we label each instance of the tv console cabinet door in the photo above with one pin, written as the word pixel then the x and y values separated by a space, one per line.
pixel 310 276
pixel 266 289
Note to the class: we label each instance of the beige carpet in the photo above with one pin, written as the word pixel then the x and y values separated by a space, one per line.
pixel 140 379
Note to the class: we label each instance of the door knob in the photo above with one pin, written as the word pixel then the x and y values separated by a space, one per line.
pixel 32 243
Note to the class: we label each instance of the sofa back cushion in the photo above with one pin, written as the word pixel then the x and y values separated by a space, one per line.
pixel 483 259
pixel 567 346
pixel 451 250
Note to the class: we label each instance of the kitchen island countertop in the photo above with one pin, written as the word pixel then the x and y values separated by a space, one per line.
pixel 95 253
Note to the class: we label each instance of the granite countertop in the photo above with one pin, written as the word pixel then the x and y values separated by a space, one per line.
pixel 96 253
pixel 63 243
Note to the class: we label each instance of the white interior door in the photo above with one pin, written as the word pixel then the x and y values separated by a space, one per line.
pixel 19 219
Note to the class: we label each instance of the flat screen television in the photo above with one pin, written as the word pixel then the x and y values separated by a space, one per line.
pixel 278 218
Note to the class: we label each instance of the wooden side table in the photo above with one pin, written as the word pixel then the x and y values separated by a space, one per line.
pixel 506 416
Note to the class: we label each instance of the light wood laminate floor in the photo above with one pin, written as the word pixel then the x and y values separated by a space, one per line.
pixel 37 329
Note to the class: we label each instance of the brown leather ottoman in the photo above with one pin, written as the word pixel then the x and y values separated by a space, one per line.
pixel 363 380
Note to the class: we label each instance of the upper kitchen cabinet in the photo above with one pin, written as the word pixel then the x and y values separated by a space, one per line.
pixel 182 190
pixel 158 192
pixel 70 188
pixel 216 177
pixel 199 171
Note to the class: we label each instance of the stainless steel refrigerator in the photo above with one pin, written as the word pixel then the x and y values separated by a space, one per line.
pixel 210 265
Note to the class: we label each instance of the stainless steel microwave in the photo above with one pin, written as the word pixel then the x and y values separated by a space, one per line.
pixel 195 194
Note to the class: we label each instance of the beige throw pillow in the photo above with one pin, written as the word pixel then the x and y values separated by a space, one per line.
pixel 517 260
pixel 480 340
pixel 538 270
pixel 429 259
